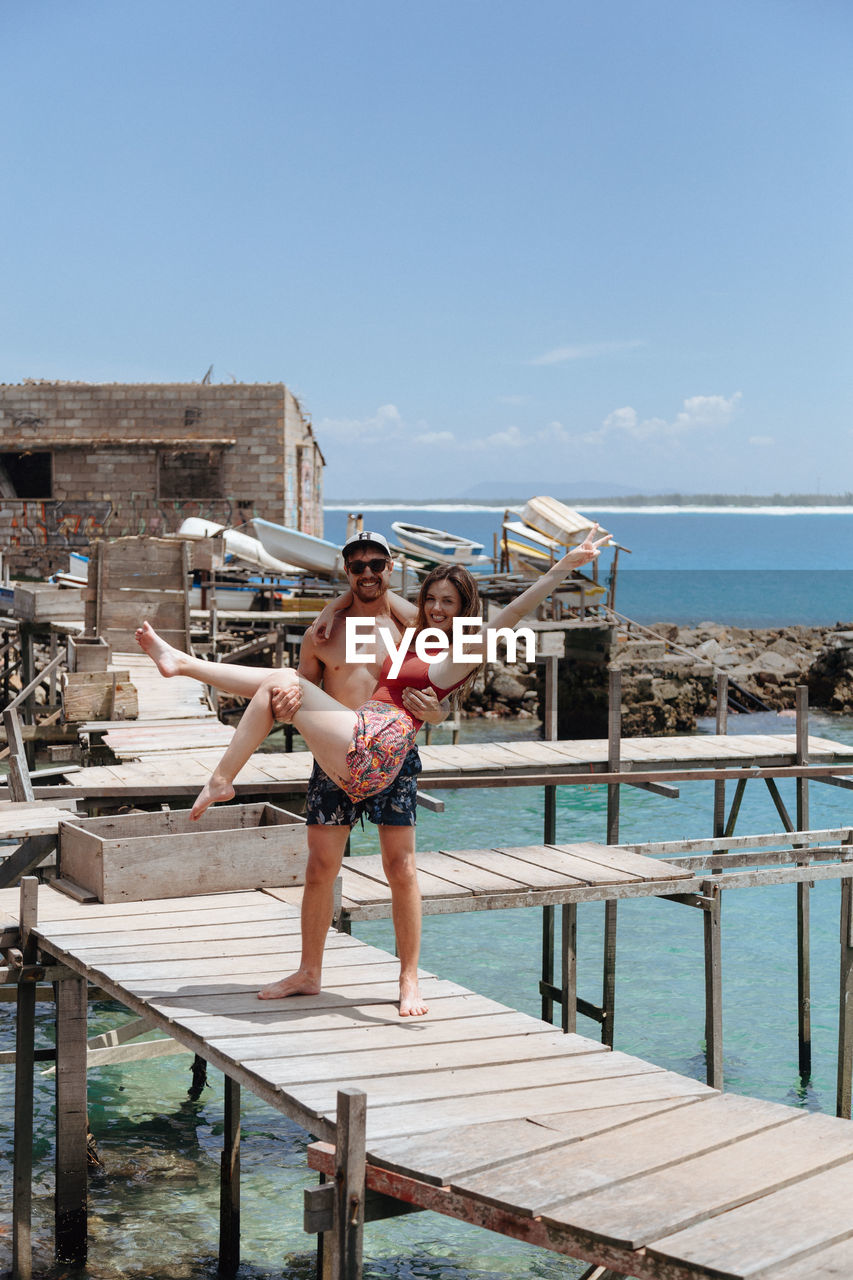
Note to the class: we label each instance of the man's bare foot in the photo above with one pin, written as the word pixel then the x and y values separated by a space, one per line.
pixel 411 1003
pixel 215 791
pixel 297 984
pixel 168 660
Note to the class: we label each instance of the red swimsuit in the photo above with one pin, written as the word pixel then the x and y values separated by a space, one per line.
pixel 386 731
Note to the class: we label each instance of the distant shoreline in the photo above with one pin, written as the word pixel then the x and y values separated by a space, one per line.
pixel 716 501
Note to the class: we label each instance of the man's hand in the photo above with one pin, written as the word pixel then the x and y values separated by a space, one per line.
pixel 424 704
pixel 285 701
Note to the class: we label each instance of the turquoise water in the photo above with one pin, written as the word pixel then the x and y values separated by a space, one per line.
pixel 154 1210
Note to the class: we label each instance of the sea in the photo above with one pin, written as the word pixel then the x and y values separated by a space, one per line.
pixel 154 1206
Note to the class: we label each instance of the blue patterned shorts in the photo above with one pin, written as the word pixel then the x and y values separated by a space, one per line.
pixel 326 805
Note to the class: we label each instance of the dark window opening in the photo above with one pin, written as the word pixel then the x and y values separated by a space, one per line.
pixel 189 475
pixel 26 475
pixel 192 415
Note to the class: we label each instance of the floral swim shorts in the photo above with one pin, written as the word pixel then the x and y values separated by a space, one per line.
pixel 382 738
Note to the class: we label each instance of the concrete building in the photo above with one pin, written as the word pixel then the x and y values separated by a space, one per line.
pixel 82 460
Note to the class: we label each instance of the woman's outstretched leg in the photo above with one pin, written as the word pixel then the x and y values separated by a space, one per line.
pixel 326 725
pixel 227 677
pixel 255 723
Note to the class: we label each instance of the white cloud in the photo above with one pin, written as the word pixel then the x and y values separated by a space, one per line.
pixel 435 437
pixel 698 413
pixel 761 442
pixel 385 423
pixel 584 351
pixel 510 438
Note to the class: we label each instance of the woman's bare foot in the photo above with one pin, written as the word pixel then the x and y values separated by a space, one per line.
pixel 300 983
pixel 411 1004
pixel 215 791
pixel 168 660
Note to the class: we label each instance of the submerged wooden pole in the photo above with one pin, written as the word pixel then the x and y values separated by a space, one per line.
pixel 549 837
pixel 713 988
pixel 229 1183
pixel 22 1166
pixel 722 726
pixel 343 1246
pixel 614 762
pixel 804 1017
pixel 845 1005
pixel 70 1205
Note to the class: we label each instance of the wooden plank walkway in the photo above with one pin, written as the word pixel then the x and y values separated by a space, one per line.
pixel 189 762
pixel 478 1110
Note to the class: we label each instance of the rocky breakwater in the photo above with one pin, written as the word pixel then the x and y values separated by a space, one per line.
pixel 669 680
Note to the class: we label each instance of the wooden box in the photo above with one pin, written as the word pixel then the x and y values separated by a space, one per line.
pixel 99 695
pixel 88 653
pixel 136 856
pixel 44 602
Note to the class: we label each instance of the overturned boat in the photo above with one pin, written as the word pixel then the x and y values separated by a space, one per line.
pixel 438 544
pixel 298 548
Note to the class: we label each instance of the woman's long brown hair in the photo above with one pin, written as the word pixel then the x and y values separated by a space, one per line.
pixel 470 607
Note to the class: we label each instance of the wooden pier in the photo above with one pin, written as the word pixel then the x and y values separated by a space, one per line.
pixel 478 1111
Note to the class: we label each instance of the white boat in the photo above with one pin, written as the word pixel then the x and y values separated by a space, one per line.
pixel 302 549
pixel 239 545
pixel 557 521
pixel 437 544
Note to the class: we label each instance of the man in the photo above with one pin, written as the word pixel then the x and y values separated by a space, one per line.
pixel 330 812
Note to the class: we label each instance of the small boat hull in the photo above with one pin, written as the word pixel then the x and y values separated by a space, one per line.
pixel 437 544
pixel 297 548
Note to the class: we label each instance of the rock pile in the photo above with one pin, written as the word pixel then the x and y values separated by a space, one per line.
pixel 669 678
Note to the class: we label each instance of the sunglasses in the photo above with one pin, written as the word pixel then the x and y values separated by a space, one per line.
pixel 358 566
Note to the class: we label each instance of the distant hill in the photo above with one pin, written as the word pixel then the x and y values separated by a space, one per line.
pixel 573 489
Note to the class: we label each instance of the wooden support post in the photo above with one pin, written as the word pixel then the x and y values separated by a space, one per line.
pixel 549 835
pixel 722 726
pixel 70 1205
pixel 229 1183
pixel 804 1017
pixel 713 987
pixel 845 1005
pixel 569 948
pixel 20 786
pixel 343 1245
pixel 614 760
pixel 22 1169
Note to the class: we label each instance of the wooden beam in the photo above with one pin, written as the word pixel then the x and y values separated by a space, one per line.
pixel 22 1171
pixel 71 1123
pixel 844 1083
pixel 804 1016
pixel 229 1183
pixel 713 987
pixel 343 1245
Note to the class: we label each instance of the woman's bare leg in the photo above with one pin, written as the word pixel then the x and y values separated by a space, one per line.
pixel 326 725
pixel 227 677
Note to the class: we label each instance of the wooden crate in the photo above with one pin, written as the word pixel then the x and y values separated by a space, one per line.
pixel 136 856
pixel 88 653
pixel 99 695
pixel 44 602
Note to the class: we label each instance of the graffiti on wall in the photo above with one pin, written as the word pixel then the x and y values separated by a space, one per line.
pixel 26 525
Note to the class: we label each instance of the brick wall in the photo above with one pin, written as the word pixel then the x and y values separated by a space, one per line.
pixel 139 459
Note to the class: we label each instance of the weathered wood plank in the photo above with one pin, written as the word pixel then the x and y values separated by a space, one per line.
pixel 508 1052
pixel 403 1033
pixel 669 1200
pixel 413 1117
pixel 444 1155
pixel 532 1184
pixel 795 1222
pixel 475 1082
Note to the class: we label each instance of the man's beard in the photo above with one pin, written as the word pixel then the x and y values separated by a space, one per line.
pixel 368 591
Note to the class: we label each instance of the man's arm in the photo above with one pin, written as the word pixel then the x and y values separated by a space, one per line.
pixel 285 702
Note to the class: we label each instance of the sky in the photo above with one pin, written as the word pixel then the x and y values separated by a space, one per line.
pixel 600 242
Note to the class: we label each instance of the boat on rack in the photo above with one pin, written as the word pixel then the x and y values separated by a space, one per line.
pixel 438 544
pixel 298 548
pixel 239 546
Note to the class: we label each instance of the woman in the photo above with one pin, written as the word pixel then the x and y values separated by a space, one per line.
pixel 363 750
